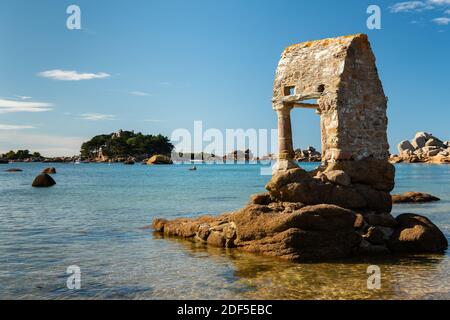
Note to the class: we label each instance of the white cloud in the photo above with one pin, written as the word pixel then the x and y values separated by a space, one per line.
pixel 63 75
pixel 9 106
pixel 97 117
pixel 410 6
pixel 418 6
pixel 441 21
pixel 51 146
pixel 439 2
pixel 14 127
pixel 139 93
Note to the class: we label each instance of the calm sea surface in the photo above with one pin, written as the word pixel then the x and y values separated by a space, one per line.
pixel 95 218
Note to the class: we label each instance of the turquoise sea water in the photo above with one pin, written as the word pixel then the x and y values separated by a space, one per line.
pixel 96 218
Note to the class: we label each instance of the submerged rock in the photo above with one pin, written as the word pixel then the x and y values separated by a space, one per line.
pixel 13 170
pixel 416 197
pixel 43 181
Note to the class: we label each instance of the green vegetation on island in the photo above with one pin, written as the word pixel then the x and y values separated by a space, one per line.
pixel 125 144
pixel 21 155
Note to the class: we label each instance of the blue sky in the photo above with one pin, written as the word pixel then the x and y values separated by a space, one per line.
pixel 155 66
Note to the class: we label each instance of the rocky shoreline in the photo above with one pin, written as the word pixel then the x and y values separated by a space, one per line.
pixel 311 233
pixel 423 148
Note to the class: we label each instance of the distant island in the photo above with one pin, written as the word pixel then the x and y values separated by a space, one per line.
pixel 120 146
pixel 125 145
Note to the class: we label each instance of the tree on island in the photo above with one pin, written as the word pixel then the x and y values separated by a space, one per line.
pixel 21 155
pixel 124 144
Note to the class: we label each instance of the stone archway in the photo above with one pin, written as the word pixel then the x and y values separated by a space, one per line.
pixel 285 140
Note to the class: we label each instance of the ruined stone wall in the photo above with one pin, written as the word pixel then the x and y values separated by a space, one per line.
pixel 361 106
pixel 353 105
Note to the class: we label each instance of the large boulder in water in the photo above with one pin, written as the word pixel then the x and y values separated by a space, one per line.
pixel 43 181
pixel 311 233
pixel 319 232
pixel 159 159
pixel 417 234
pixel 50 170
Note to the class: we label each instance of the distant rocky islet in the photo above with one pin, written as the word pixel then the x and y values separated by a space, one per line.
pixel 423 148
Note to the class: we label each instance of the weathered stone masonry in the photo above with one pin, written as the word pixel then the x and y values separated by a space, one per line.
pixel 341 74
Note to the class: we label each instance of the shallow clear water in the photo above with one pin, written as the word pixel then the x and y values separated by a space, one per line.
pixel 95 218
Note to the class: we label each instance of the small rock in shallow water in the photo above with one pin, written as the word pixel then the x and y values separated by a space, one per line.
pixel 49 170
pixel 14 170
pixel 413 197
pixel 159 159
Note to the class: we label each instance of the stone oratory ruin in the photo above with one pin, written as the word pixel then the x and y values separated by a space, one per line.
pixel 342 208
pixel 342 76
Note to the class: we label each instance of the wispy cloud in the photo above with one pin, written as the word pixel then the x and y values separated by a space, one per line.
pixel 22 97
pixel 418 6
pixel 14 127
pixel 139 94
pixel 10 106
pixel 97 117
pixel 410 6
pixel 64 75
pixel 441 21
pixel 439 2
